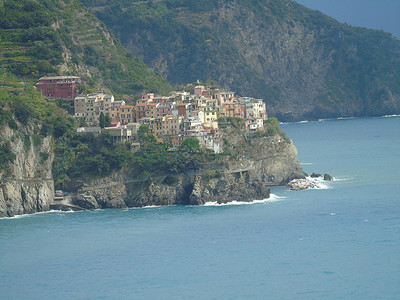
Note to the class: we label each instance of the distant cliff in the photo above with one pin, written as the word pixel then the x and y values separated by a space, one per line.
pixel 258 163
pixel 304 64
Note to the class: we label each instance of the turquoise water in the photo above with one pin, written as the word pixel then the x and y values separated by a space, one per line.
pixel 341 242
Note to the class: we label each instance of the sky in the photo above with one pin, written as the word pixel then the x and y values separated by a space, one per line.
pixel 375 14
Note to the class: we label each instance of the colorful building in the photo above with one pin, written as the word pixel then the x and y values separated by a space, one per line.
pixel 64 87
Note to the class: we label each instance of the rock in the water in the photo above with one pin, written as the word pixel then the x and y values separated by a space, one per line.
pixel 328 177
pixel 315 175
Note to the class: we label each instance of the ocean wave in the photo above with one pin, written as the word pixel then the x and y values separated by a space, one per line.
pixel 272 198
pixel 307 164
pixel 346 118
pixel 31 215
pixel 300 122
pixel 390 116
pixel 144 207
pixel 321 184
pixel 343 179
pixel 309 183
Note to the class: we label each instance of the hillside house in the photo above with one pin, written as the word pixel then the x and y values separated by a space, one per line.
pixel 183 109
pixel 198 90
pixel 95 130
pixel 140 110
pixel 119 134
pixel 223 97
pixel 91 106
pixel 64 87
pixel 253 125
pixel 127 114
pixel 171 125
pixel 151 110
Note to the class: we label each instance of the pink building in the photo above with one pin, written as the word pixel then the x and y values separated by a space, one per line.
pixel 254 124
pixel 224 97
pixel 140 109
pixel 148 96
pixel 64 87
pixel 198 90
pixel 164 109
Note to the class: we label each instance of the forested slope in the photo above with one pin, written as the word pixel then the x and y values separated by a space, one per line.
pixel 305 64
pixel 46 37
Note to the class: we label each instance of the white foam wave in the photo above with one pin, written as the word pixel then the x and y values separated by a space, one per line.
pixel 346 118
pixel 342 179
pixel 31 215
pixel 272 198
pixel 391 116
pixel 151 206
pixel 306 164
pixel 320 183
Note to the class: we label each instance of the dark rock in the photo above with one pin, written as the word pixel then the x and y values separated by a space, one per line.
pixel 315 175
pixel 328 177
pixel 86 201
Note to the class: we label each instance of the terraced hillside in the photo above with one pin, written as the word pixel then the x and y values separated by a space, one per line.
pixel 45 37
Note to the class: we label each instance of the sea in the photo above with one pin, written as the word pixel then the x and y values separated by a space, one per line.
pixel 339 241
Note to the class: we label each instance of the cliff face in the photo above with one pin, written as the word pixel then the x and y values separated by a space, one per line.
pixel 26 185
pixel 304 64
pixel 271 161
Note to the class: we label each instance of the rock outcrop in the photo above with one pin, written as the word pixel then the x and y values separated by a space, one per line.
pixel 26 185
pixel 266 161
pixel 312 182
pixel 253 165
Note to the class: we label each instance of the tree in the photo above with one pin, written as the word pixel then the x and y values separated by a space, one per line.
pixel 143 129
pixel 102 120
pixel 190 144
pixel 107 121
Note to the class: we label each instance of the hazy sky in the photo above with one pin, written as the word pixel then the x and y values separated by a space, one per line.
pixel 376 14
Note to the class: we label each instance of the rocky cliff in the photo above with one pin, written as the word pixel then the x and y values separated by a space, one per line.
pixel 262 162
pixel 26 185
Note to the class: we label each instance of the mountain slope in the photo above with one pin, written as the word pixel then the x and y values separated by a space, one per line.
pixel 62 37
pixel 305 64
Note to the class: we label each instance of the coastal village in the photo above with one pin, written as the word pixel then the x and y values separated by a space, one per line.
pixel 171 119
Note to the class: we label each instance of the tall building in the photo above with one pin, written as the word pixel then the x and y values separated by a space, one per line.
pixel 64 87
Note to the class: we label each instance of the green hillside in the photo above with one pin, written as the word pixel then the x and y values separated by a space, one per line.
pixel 305 64
pixel 39 38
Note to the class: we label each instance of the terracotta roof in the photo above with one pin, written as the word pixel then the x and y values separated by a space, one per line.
pixel 126 106
pixel 141 104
